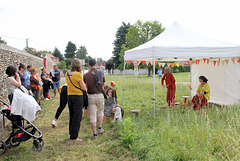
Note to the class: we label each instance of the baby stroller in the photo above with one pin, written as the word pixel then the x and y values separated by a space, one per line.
pixel 20 131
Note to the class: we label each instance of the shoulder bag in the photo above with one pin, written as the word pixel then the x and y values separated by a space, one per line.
pixel 85 96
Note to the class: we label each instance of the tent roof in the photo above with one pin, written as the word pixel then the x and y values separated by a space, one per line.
pixel 179 42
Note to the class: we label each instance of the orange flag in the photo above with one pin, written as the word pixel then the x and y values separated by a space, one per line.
pixel 204 60
pixel 172 64
pixel 156 63
pixel 143 63
pixel 214 62
pixel 129 62
pixel 238 60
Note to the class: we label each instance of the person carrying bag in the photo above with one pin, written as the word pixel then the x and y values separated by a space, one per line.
pixel 75 82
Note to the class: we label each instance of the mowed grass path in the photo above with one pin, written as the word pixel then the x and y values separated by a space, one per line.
pixel 178 133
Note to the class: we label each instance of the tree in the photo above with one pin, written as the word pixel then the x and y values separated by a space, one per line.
pixel 68 62
pixel 58 54
pixel 119 41
pixel 61 65
pixel 141 33
pixel 82 52
pixel 2 41
pixel 70 50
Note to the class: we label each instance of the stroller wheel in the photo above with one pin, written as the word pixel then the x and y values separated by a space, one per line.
pixel 37 147
pixel 14 143
pixel 42 143
pixel 3 147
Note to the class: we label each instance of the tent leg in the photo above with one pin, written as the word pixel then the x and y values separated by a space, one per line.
pixel 154 87
pixel 123 80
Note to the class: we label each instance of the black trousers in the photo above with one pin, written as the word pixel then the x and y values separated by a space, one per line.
pixel 75 104
pixel 46 87
pixel 63 101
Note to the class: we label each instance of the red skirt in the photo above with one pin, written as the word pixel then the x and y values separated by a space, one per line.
pixel 199 102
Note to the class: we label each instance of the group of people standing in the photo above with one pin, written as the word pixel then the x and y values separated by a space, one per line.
pixel 93 82
pixel 27 77
pixel 199 100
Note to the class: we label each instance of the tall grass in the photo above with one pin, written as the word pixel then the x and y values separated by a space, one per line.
pixel 178 133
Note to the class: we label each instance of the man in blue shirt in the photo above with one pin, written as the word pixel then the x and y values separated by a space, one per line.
pixel 27 75
pixel 56 77
pixel 159 72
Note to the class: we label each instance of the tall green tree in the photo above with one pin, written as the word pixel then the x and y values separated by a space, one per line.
pixel 140 33
pixel 119 41
pixel 82 52
pixel 70 50
pixel 58 54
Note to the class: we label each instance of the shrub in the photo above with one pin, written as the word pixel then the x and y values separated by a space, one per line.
pixel 127 133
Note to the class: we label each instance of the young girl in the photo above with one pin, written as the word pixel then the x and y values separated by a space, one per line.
pixel 110 106
pixel 35 84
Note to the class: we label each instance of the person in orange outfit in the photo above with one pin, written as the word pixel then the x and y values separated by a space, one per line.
pixel 170 84
pixel 203 94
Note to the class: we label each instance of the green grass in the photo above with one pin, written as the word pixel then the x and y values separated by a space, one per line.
pixel 178 133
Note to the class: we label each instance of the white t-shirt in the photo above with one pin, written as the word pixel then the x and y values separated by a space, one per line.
pixel 10 86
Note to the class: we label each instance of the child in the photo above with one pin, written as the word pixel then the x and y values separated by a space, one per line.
pixel 110 106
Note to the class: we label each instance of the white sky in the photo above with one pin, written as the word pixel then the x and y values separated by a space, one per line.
pixel 93 23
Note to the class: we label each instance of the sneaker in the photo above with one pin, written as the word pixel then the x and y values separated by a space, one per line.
pixel 46 99
pixel 95 137
pixel 100 131
pixel 54 123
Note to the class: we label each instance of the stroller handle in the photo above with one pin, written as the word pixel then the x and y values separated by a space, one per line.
pixel 4 103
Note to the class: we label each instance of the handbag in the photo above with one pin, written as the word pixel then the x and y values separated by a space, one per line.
pixel 85 96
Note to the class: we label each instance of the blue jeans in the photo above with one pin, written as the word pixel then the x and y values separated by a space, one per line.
pixel 56 85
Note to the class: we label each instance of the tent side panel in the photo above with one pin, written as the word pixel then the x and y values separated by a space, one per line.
pixel 224 81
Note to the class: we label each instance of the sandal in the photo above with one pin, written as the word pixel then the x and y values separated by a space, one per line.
pixel 75 140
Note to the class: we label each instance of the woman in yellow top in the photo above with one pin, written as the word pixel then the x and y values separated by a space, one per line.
pixel 203 94
pixel 75 98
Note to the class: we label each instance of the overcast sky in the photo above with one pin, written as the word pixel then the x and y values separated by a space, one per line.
pixel 93 23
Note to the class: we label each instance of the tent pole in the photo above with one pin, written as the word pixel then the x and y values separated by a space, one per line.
pixel 123 80
pixel 153 86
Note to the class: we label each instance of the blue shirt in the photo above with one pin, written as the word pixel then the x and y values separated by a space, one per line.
pixel 159 72
pixel 27 76
pixel 23 79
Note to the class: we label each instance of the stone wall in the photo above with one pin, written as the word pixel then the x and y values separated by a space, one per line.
pixel 12 56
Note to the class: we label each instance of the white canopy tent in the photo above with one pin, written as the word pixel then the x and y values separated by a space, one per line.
pixel 177 42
